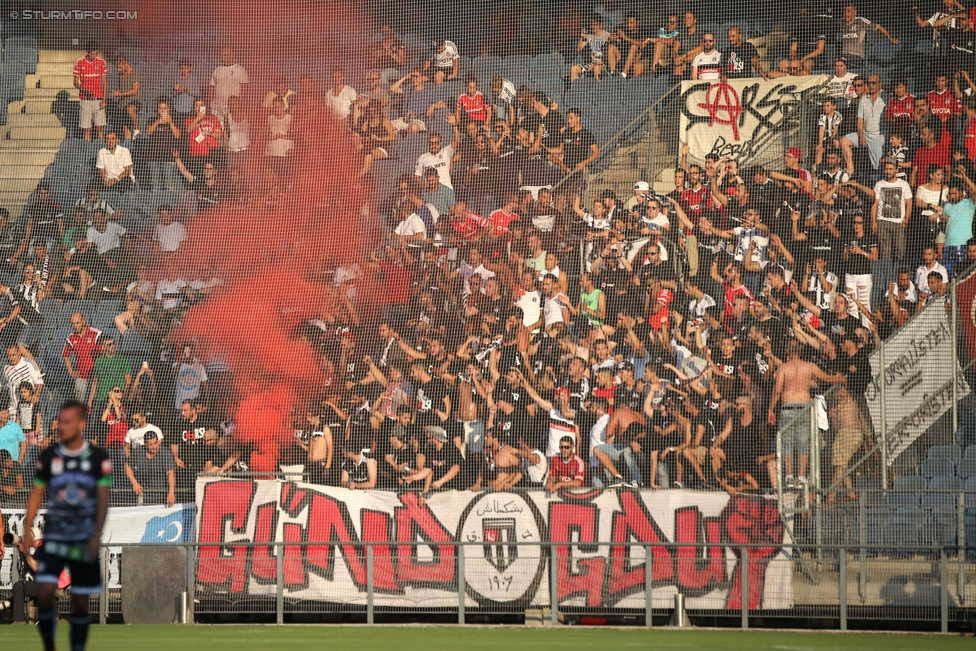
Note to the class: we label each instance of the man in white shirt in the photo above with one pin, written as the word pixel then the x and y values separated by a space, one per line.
pixel 891 211
pixel 411 227
pixel 929 264
pixel 114 164
pixel 340 97
pixel 18 371
pixel 438 157
pixel 169 234
pixel 103 234
pixel 137 433
pixel 707 64
pixel 227 80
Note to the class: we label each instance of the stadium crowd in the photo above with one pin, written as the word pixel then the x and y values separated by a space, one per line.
pixel 533 335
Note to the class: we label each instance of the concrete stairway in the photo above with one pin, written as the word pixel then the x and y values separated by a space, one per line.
pixel 33 135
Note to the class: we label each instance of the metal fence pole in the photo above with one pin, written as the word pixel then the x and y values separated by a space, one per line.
pixel 648 587
pixel 883 434
pixel 955 377
pixel 961 554
pixel 369 584
pixel 842 587
pixel 943 591
pixel 553 585
pixel 460 583
pixel 862 579
pixel 280 584
pixel 744 573
pixel 103 598
pixel 191 584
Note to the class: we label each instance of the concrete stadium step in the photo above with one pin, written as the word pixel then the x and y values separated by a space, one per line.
pixel 59 56
pixel 10 158
pixel 52 81
pixel 18 186
pixel 26 170
pixel 15 209
pixel 33 120
pixel 33 105
pixel 55 68
pixel 50 93
pixel 53 134
pixel 36 144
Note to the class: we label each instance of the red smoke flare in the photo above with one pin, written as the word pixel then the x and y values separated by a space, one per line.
pixel 270 254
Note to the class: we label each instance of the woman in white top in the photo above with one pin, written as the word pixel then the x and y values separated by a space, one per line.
pixel 929 198
pixel 279 144
pixel 238 132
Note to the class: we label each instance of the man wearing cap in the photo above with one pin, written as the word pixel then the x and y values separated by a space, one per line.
pixel 151 470
pixel 636 204
pixel 870 113
pixel 90 78
pixel 442 459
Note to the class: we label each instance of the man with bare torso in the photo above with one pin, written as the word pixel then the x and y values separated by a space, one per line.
pixel 624 431
pixel 792 385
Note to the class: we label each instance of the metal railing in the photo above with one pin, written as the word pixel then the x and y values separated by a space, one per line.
pixel 639 584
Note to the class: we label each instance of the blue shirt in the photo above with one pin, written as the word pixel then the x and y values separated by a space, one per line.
pixel 959 228
pixel 11 435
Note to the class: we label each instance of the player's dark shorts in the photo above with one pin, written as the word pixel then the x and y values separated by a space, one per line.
pixel 54 556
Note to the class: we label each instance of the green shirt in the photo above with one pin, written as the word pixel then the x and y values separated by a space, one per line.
pixel 592 301
pixel 111 372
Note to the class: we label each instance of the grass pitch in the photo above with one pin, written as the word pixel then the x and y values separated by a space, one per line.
pixel 471 638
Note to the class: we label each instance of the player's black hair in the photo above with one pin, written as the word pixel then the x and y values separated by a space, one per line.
pixel 74 404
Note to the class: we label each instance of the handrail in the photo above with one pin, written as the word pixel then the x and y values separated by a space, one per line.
pixel 609 144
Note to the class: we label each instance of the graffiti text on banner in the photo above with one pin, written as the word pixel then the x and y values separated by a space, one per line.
pixel 741 118
pixel 919 362
pixel 506 557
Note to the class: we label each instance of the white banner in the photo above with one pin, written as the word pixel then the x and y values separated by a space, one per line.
pixel 123 525
pixel 919 361
pixel 506 560
pixel 746 119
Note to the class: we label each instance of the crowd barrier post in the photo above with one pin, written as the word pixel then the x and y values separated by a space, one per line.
pixel 842 586
pixel 370 613
pixel 744 573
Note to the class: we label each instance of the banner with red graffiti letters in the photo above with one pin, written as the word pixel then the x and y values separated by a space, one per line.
pixel 746 119
pixel 506 558
pixel 966 296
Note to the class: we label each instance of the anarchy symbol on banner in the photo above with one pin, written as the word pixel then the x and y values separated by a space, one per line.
pixel 723 106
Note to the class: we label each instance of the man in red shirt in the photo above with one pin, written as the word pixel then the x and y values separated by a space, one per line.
pixel 468 226
pixel 696 199
pixel 203 137
pixel 472 107
pixel 566 469
pixel 731 281
pixel 500 219
pixel 83 342
pixel 901 107
pixel 90 78
pixel 931 153
pixel 791 160
pixel 942 103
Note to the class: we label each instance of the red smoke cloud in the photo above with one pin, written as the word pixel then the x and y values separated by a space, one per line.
pixel 271 255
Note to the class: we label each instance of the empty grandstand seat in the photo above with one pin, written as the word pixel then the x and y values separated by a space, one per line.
pixel 132 342
pixel 905 529
pixel 486 66
pixel 112 306
pixel 102 321
pixel 967 467
pixel 953 452
pixel 937 495
pixel 24 54
pixel 85 306
pixel 876 521
pixel 51 309
pixel 943 527
pixel 449 91
pixel 935 467
pixel 970 494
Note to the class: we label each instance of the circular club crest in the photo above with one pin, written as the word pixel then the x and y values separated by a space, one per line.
pixel 508 564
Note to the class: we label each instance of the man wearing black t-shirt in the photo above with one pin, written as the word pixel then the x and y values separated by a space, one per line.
pixel 741 60
pixel 190 450
pixel 579 147
pixel 76 478
pixel 443 460
pixel 433 403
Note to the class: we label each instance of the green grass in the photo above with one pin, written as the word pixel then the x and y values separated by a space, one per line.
pixel 496 638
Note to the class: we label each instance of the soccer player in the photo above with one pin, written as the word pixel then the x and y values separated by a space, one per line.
pixel 76 477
